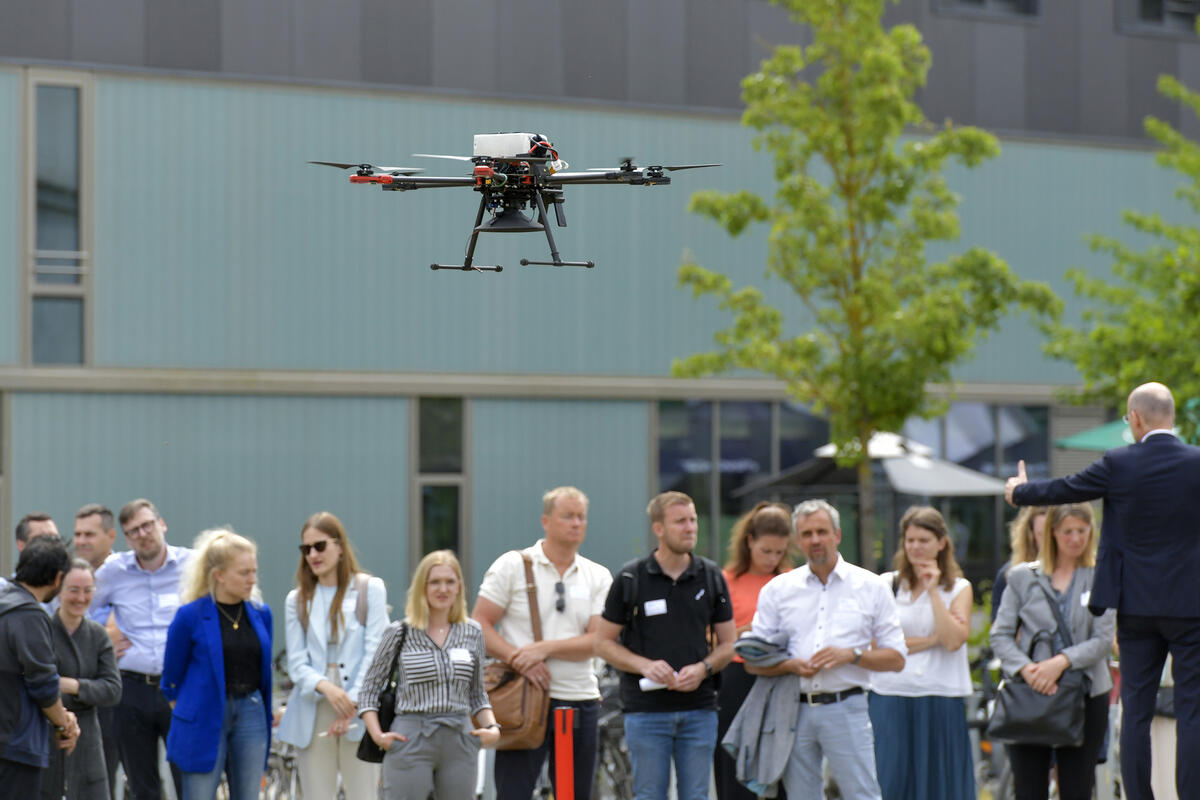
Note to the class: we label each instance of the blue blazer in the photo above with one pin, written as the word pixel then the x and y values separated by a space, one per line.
pixel 193 678
pixel 1149 556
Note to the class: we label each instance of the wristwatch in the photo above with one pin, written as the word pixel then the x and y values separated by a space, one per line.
pixel 858 653
pixel 707 667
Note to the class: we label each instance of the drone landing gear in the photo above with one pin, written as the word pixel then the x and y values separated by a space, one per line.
pixel 525 262
pixel 557 262
pixel 467 266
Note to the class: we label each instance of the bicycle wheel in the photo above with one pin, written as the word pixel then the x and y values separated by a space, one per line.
pixel 614 776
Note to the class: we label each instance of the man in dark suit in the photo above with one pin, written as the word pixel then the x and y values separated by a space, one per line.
pixel 1148 568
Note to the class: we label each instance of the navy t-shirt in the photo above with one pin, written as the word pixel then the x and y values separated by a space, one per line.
pixel 667 619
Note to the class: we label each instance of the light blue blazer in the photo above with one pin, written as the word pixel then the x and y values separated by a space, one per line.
pixel 309 653
pixel 193 678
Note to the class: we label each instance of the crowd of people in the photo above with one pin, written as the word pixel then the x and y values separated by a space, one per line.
pixel 754 674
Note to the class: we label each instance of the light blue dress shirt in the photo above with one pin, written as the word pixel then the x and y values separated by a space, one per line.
pixel 144 603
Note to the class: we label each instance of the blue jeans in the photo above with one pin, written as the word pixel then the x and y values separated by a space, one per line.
pixel 655 737
pixel 241 753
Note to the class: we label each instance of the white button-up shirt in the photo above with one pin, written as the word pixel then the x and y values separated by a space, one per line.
pixel 853 609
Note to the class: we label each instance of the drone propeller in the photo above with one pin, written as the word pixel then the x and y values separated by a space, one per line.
pixel 369 169
pixel 438 155
pixel 627 166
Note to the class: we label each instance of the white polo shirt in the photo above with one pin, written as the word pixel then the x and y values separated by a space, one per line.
pixel 585 587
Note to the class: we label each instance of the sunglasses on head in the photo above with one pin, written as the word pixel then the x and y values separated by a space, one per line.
pixel 305 549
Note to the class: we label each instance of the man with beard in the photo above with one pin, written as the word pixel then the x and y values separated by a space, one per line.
pixel 29 693
pixel 655 629
pixel 841 624
pixel 141 588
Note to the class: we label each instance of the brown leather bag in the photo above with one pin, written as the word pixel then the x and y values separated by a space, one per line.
pixel 520 705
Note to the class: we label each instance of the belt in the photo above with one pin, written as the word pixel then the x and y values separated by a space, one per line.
pixel 829 697
pixel 141 677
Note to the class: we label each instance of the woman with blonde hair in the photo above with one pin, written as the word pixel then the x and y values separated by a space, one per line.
pixel 438 653
pixel 1060 580
pixel 217 670
pixel 922 747
pixel 758 551
pixel 335 619
pixel 1025 540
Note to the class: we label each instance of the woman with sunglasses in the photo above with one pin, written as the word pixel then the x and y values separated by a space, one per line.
pixel 331 640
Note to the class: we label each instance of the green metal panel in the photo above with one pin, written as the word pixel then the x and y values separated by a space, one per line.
pixel 10 215
pixel 218 246
pixel 259 464
pixel 523 448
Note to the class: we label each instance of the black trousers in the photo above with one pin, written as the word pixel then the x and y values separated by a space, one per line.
pixel 517 770
pixel 143 717
pixel 1076 765
pixel 20 780
pixel 735 685
pixel 1145 642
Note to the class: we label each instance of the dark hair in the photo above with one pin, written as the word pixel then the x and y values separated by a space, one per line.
pixel 23 525
pixel 347 568
pixel 765 519
pixel 134 506
pixel 42 560
pixel 929 519
pixel 106 514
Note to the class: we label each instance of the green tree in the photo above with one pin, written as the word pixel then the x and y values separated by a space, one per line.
pixel 848 226
pixel 1145 326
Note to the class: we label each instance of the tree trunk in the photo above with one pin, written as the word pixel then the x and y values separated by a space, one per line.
pixel 866 513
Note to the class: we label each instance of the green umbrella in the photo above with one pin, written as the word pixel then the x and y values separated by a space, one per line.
pixel 1106 437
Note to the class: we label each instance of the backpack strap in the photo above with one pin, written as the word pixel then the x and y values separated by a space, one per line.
pixel 360 605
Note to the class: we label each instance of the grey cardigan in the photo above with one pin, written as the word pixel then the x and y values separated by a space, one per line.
pixel 1025 610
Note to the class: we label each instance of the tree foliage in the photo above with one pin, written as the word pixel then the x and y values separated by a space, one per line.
pixel 856 204
pixel 1144 326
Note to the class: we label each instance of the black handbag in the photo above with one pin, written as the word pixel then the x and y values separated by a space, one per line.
pixel 367 749
pixel 1023 715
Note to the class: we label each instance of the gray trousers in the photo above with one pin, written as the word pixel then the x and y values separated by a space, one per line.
pixel 440 756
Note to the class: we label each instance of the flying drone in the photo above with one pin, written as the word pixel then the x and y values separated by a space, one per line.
pixel 512 172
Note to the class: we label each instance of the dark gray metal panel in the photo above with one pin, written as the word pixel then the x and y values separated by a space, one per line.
pixel 531 50
pixel 766 27
pixel 257 36
pixel 716 50
pixel 1052 70
pixel 595 39
pixel 112 32
pixel 1188 70
pixel 327 37
pixel 1149 58
pixel 1103 70
pixel 657 63
pixel 465 50
pixel 396 38
pixel 36 30
pixel 184 34
pixel 950 88
pixel 1000 75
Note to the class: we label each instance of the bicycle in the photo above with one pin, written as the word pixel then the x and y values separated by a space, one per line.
pixel 614 772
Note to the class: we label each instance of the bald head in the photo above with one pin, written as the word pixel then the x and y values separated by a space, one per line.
pixel 1153 404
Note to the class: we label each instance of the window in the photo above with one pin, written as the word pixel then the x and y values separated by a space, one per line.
pixel 1176 17
pixel 439 483
pixel 58 270
pixel 1010 8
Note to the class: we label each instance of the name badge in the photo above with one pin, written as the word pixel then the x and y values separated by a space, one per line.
pixel 168 600
pixel 578 591
pixel 655 607
pixel 1084 597
pixel 460 655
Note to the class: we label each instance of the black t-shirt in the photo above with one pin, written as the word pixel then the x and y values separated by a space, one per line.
pixel 667 619
pixel 241 649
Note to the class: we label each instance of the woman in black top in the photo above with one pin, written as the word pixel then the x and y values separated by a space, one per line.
pixel 88 679
pixel 217 671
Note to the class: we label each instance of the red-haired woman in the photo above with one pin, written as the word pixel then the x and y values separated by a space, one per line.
pixel 922 749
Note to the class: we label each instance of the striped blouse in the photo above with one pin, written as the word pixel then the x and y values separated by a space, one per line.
pixel 432 679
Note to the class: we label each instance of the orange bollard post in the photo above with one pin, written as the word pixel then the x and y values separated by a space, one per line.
pixel 564 753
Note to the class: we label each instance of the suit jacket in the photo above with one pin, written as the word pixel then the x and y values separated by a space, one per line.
pixel 1149 554
pixel 1025 611
pixel 193 678
pixel 87 655
pixel 309 653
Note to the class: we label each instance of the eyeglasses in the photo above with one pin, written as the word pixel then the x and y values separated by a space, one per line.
pixel 320 546
pixel 146 528
pixel 561 603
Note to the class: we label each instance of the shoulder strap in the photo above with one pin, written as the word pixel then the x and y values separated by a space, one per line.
pixel 531 590
pixel 1063 627
pixel 360 604
pixel 394 675
pixel 896 583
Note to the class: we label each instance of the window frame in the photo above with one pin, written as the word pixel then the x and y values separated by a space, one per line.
pixel 992 10
pixel 419 480
pixel 30 288
pixel 1128 23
